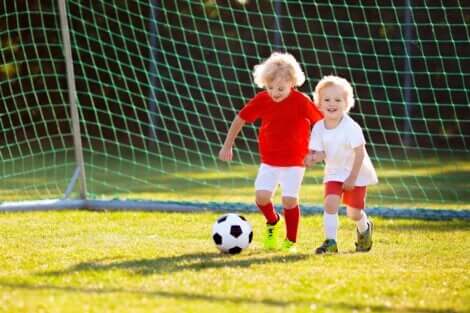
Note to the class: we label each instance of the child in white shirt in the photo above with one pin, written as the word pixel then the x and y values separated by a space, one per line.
pixel 339 141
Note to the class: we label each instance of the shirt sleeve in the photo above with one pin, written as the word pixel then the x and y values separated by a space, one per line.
pixel 315 139
pixel 356 136
pixel 253 109
pixel 312 112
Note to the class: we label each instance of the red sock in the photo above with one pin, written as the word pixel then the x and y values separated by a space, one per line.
pixel 269 213
pixel 292 217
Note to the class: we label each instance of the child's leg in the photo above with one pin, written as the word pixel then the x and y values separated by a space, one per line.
pixel 359 217
pixel 290 181
pixel 330 220
pixel 333 192
pixel 265 185
pixel 355 203
pixel 264 203
pixel 330 215
pixel 291 216
pixel 331 202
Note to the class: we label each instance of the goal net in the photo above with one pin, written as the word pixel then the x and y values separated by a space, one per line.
pixel 158 83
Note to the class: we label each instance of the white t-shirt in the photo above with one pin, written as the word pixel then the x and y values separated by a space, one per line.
pixel 338 144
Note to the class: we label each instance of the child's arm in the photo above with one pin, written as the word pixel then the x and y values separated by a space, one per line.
pixel 226 153
pixel 359 153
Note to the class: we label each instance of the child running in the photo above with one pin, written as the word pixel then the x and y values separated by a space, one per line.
pixel 339 141
pixel 287 116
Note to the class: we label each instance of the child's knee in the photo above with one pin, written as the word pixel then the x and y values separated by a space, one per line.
pixel 331 203
pixel 289 202
pixel 263 197
pixel 353 213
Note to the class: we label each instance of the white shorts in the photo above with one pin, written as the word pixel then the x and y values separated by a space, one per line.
pixel 290 178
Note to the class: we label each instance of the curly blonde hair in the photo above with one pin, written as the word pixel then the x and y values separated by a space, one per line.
pixel 278 65
pixel 337 81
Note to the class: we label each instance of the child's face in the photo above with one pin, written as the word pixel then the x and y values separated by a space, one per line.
pixel 279 89
pixel 332 101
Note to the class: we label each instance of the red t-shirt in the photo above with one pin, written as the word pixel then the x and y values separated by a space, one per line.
pixel 285 126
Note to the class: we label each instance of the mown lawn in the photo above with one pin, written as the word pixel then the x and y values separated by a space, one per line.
pixel 79 261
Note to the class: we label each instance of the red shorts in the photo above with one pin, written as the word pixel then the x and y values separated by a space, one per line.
pixel 355 198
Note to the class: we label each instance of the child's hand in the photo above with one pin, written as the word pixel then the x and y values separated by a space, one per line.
pixel 319 156
pixel 314 157
pixel 308 160
pixel 226 154
pixel 349 183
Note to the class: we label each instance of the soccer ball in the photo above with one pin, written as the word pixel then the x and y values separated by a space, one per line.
pixel 232 233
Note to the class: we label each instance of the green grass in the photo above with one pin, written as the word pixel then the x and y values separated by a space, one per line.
pixel 166 262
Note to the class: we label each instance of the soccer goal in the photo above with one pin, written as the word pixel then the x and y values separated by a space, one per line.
pixel 125 104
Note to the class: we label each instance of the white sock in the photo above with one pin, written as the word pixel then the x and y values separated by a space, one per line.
pixel 331 225
pixel 363 223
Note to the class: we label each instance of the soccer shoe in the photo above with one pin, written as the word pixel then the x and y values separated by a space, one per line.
pixel 364 241
pixel 271 236
pixel 289 246
pixel 328 246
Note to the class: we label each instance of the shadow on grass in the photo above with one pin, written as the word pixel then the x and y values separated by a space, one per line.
pixel 186 296
pixel 193 261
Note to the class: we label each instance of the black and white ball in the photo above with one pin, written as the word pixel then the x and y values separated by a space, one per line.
pixel 232 233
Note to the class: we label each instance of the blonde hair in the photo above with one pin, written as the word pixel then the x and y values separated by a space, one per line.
pixel 337 81
pixel 278 65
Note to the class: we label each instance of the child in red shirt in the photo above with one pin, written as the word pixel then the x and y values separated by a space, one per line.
pixel 287 116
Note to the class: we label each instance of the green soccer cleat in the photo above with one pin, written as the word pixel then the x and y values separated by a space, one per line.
pixel 364 241
pixel 289 246
pixel 328 246
pixel 271 236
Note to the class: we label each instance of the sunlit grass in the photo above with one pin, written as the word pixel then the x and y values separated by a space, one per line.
pixel 152 262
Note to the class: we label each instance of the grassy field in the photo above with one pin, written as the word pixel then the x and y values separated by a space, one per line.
pixel 166 262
